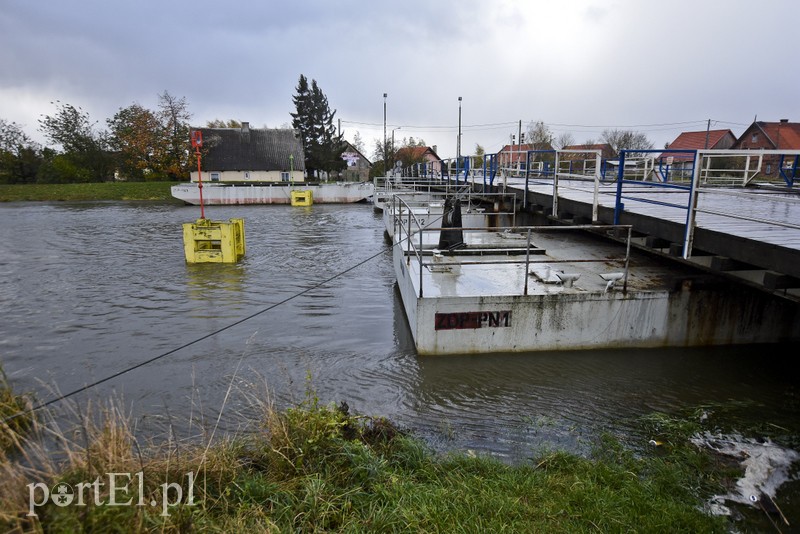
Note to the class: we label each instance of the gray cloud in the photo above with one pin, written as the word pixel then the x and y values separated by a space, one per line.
pixel 584 63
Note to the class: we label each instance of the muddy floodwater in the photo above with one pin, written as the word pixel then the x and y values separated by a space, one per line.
pixel 90 289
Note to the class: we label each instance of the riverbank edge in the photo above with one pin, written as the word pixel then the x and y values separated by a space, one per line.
pixel 101 191
pixel 316 467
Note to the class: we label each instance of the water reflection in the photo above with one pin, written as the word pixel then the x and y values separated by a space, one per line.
pixel 215 283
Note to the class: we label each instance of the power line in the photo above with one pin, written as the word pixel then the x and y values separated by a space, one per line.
pixel 435 127
pixel 625 126
pixel 658 126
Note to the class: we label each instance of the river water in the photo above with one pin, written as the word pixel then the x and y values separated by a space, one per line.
pixel 90 289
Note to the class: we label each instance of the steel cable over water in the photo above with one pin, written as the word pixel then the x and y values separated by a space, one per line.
pixel 96 383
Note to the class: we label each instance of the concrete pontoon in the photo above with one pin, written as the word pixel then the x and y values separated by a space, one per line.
pixel 531 288
pixel 215 193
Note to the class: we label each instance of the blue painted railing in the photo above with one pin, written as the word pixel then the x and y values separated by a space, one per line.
pixel 790 176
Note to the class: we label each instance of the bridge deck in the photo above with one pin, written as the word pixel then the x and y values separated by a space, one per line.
pixel 758 229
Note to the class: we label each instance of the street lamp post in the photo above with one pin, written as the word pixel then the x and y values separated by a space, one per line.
pixel 458 145
pixel 384 134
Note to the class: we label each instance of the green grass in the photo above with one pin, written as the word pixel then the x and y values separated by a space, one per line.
pixel 89 191
pixel 315 468
pixel 12 432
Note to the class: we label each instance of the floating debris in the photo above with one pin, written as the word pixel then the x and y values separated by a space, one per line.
pixel 766 467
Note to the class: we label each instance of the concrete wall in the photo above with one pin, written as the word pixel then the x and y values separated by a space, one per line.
pixel 689 315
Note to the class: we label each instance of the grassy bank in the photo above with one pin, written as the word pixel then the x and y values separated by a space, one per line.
pixel 316 468
pixel 91 191
pixel 13 430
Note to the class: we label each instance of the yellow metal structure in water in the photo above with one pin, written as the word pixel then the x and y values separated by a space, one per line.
pixel 302 198
pixel 206 241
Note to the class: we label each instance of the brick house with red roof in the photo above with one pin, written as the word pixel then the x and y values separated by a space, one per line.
pixel 705 139
pixel 782 135
pixel 410 155
pixel 700 140
pixel 516 156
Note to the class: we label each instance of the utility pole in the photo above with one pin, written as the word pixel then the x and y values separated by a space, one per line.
pixel 519 139
pixel 708 130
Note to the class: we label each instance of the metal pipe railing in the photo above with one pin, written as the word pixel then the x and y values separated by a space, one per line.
pixel 418 252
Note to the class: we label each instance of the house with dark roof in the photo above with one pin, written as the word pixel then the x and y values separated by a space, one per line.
pixel 251 155
pixel 760 135
pixel 358 165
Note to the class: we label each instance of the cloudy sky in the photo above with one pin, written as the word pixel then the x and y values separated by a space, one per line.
pixel 580 66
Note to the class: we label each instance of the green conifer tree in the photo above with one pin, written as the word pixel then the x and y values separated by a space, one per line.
pixel 313 119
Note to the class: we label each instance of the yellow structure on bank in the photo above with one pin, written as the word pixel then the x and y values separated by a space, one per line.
pixel 302 198
pixel 206 241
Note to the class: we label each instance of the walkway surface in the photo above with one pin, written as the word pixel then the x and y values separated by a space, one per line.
pixel 753 233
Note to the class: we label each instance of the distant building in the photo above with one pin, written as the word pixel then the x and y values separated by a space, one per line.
pixel 782 135
pixel 705 139
pixel 682 163
pixel 606 150
pixel 515 157
pixel 770 136
pixel 411 155
pixel 358 165
pixel 251 155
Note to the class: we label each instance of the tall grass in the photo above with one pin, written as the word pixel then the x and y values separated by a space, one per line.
pixel 320 468
pixel 12 427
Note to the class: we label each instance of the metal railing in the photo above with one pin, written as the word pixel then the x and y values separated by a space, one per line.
pixel 410 234
pixel 697 188
pixel 703 172
pixel 401 202
pixel 707 177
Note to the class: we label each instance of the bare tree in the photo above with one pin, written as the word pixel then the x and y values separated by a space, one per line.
pixel 358 142
pixel 626 140
pixel 538 135
pixel 173 114
pixel 563 140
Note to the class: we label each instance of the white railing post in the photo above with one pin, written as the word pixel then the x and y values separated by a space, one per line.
pixel 597 165
pixel 419 255
pixel 527 261
pixel 691 217
pixel 555 187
